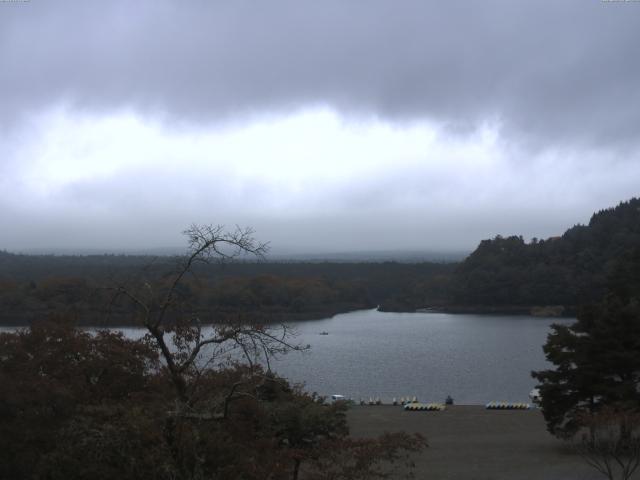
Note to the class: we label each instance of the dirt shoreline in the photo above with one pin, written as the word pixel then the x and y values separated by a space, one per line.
pixel 470 442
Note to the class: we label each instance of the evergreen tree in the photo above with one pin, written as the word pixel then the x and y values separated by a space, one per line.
pixel 597 359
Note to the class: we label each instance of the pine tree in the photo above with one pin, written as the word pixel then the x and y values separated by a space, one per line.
pixel 596 359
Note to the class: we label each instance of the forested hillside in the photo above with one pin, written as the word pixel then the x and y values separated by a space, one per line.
pixel 569 270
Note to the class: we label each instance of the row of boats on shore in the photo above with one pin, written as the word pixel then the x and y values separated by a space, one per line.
pixel 412 403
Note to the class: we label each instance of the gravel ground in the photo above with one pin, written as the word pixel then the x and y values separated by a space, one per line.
pixel 469 442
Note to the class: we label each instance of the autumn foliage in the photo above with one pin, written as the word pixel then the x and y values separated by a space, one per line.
pixel 83 405
pixel 187 401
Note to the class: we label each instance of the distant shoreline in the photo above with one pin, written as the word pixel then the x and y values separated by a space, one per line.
pixel 269 318
pixel 529 310
pixel 288 317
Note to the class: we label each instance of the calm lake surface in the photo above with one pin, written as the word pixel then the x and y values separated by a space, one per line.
pixel 473 358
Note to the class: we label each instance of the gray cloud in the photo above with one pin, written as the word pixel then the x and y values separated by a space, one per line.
pixel 408 209
pixel 558 80
pixel 548 72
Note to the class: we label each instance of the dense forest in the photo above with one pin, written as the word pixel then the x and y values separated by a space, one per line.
pixel 505 274
pixel 83 287
pixel 565 271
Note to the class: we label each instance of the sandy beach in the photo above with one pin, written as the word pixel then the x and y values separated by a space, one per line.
pixel 470 442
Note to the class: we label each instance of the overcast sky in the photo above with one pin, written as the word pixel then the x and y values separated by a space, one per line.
pixel 325 125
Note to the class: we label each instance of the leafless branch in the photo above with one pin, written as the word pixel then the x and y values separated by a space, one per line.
pixel 613 442
pixel 205 242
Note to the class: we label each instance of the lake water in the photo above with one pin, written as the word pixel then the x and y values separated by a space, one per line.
pixel 473 358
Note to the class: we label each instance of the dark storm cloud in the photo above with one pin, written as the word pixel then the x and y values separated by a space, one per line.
pixel 548 72
pixel 327 125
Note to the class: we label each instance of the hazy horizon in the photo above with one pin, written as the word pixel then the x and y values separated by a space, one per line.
pixel 272 255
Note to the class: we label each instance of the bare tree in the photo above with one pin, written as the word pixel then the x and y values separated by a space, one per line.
pixel 175 328
pixel 185 422
pixel 611 443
